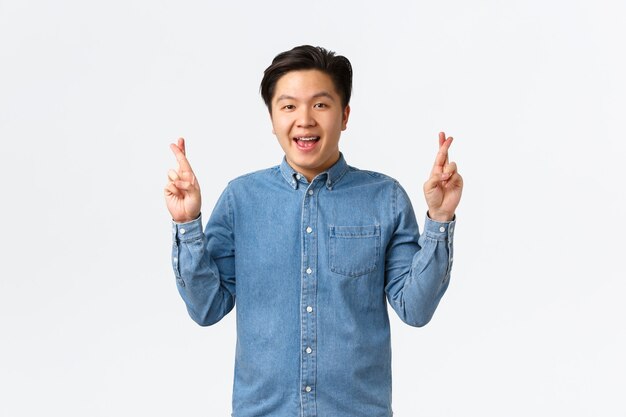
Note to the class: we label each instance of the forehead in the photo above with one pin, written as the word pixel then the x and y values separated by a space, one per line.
pixel 303 84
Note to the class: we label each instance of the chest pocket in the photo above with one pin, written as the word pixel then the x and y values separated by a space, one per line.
pixel 354 250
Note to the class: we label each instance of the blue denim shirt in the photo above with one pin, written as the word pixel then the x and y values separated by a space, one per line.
pixel 311 265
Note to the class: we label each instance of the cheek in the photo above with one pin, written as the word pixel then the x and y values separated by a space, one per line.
pixel 280 127
pixel 280 132
pixel 339 125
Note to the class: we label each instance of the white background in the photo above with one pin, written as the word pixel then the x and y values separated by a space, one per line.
pixel 92 93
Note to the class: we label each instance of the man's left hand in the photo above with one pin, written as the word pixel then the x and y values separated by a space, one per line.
pixel 443 188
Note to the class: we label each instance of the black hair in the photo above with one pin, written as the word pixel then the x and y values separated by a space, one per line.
pixel 306 57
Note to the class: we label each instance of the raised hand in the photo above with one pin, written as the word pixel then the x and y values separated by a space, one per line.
pixel 182 192
pixel 443 188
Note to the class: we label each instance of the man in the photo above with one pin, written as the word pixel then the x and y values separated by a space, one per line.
pixel 310 249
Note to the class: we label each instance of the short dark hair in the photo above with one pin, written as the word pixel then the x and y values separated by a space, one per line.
pixel 308 57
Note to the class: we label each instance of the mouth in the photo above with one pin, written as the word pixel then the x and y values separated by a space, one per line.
pixel 306 142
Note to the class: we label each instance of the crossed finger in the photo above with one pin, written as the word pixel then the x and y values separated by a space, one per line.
pixel 172 175
pixel 441 159
pixel 179 152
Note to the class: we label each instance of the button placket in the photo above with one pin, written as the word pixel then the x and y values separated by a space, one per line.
pixel 308 300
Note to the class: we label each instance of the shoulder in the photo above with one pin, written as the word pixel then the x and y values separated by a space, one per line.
pixel 356 176
pixel 254 177
pixel 378 183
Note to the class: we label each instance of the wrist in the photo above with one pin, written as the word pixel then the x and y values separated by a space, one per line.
pixel 182 220
pixel 440 216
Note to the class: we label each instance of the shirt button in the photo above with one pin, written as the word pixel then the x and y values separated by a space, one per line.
pixel 442 229
pixel 451 229
pixel 309 271
pixel 307 389
pixel 309 229
pixel 310 192
pixel 309 309
pixel 298 176
pixel 182 231
pixel 309 350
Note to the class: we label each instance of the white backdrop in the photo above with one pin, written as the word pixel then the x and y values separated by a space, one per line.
pixel 92 93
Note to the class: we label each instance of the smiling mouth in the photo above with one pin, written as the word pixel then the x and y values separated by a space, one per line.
pixel 306 142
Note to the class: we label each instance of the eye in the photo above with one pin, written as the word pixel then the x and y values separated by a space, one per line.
pixel 288 107
pixel 320 105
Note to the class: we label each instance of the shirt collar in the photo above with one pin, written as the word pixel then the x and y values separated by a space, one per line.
pixel 333 174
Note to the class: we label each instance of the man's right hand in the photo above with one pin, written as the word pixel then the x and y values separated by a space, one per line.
pixel 182 193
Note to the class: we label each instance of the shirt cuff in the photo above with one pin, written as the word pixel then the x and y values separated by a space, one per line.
pixel 439 230
pixel 187 231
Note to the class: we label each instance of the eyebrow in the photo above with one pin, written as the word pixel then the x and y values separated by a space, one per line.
pixel 318 95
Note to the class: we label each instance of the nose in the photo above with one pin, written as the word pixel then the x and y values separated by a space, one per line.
pixel 305 117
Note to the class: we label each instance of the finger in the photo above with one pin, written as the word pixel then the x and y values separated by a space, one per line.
pixel 448 170
pixel 180 157
pixel 433 182
pixel 181 145
pixel 183 185
pixel 171 190
pixel 455 181
pixel 442 156
pixel 442 138
pixel 172 175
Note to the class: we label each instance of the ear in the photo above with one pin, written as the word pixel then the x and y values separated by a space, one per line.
pixel 346 115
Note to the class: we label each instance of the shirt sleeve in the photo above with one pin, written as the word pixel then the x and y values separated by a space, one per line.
pixel 417 267
pixel 204 264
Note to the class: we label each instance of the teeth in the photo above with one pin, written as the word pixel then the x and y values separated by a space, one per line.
pixel 309 138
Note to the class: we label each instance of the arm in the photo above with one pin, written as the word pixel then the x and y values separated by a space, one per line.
pixel 417 269
pixel 203 262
